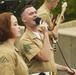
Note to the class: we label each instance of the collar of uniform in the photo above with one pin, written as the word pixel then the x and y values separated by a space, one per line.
pixel 32 35
pixel 10 46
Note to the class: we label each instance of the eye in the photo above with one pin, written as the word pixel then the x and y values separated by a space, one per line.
pixel 31 13
pixel 15 24
pixel 35 12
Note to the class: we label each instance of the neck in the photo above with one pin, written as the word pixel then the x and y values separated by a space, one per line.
pixel 48 5
pixel 11 41
pixel 34 29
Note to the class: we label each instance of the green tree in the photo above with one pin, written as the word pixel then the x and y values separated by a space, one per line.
pixel 70 13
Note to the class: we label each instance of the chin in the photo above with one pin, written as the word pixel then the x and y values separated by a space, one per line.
pixel 17 36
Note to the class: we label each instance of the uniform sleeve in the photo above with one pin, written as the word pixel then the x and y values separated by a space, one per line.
pixel 28 48
pixel 7 65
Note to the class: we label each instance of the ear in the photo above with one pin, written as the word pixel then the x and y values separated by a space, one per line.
pixel 23 20
pixel 52 1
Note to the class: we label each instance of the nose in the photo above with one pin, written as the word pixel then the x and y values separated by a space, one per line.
pixel 35 14
pixel 18 26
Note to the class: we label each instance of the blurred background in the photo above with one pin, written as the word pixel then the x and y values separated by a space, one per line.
pixel 15 6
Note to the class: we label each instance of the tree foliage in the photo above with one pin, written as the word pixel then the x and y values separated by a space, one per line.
pixel 15 7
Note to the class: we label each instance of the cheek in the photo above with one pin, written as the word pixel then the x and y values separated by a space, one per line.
pixel 14 31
